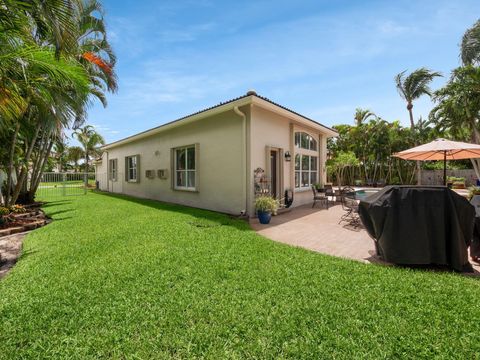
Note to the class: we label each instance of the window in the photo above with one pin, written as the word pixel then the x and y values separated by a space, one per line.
pixel 131 168
pixel 112 169
pixel 305 141
pixel 185 168
pixel 306 169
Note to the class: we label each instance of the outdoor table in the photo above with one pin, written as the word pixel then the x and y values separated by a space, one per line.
pixel 420 225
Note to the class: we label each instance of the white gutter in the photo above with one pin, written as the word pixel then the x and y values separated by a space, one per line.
pixel 244 155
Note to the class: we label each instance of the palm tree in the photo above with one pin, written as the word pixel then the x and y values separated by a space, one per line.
pixel 413 86
pixel 74 154
pixel 457 107
pixel 54 57
pixel 90 140
pixel 362 115
pixel 470 47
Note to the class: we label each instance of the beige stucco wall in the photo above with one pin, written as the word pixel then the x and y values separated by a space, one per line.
pixel 219 167
pixel 268 129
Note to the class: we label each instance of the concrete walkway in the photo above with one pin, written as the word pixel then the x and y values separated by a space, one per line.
pixel 318 230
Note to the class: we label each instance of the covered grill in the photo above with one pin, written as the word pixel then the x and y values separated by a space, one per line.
pixel 418 225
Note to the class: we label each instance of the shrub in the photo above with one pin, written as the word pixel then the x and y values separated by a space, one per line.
pixel 17 209
pixel 266 204
pixel 4 211
pixel 473 190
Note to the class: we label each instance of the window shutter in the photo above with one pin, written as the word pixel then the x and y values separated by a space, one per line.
pixel 126 168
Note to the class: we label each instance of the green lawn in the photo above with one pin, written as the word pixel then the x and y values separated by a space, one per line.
pixel 115 277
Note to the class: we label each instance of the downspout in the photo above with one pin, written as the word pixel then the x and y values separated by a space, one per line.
pixel 244 156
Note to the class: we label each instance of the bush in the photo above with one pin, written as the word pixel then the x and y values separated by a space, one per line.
pixel 473 190
pixel 4 211
pixel 17 209
pixel 266 204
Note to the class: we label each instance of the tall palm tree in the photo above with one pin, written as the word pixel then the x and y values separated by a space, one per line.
pixel 413 86
pixel 90 140
pixel 362 115
pixel 74 154
pixel 470 46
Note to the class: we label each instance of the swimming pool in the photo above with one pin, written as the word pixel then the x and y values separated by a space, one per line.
pixel 362 194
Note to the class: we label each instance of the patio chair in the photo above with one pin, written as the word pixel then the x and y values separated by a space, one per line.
pixel 319 196
pixel 352 218
pixel 329 192
pixel 350 207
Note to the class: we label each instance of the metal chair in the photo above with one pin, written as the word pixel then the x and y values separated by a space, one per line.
pixel 329 192
pixel 348 205
pixel 319 196
pixel 353 218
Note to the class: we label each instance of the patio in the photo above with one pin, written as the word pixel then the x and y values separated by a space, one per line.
pixel 318 230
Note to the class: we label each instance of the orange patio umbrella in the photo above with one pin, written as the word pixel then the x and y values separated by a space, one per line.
pixel 441 149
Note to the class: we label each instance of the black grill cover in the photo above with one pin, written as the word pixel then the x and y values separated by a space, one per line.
pixel 416 225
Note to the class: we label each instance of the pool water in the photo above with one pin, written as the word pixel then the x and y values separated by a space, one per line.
pixel 362 194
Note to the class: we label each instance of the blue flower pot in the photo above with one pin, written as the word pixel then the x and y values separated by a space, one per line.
pixel 264 216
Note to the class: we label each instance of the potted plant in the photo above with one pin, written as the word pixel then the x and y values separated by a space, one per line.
pixel 265 206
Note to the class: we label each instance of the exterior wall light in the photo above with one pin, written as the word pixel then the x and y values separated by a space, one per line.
pixel 288 157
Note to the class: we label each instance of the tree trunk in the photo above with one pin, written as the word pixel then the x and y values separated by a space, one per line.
pixel 10 165
pixel 412 127
pixel 36 182
pixel 24 171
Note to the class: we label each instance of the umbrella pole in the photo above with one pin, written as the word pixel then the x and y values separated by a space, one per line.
pixel 445 168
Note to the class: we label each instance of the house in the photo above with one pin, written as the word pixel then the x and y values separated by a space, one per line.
pixel 222 157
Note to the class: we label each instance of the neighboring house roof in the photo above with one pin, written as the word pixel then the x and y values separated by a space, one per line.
pixel 251 97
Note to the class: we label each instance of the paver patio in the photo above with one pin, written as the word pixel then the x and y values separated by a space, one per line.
pixel 317 229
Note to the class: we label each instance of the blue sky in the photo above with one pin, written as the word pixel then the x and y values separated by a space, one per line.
pixel 320 58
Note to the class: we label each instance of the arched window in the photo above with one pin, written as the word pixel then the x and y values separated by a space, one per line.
pixel 305 141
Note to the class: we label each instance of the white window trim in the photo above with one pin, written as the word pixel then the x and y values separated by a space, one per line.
pixel 127 168
pixel 175 171
pixel 309 153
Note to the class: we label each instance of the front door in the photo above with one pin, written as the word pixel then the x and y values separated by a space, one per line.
pixel 274 171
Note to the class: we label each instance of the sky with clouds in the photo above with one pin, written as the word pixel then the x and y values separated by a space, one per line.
pixel 320 58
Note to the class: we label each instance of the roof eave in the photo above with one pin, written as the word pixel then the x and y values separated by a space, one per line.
pixel 294 116
pixel 244 100
pixel 180 122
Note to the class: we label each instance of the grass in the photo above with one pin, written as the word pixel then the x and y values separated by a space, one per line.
pixel 115 277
